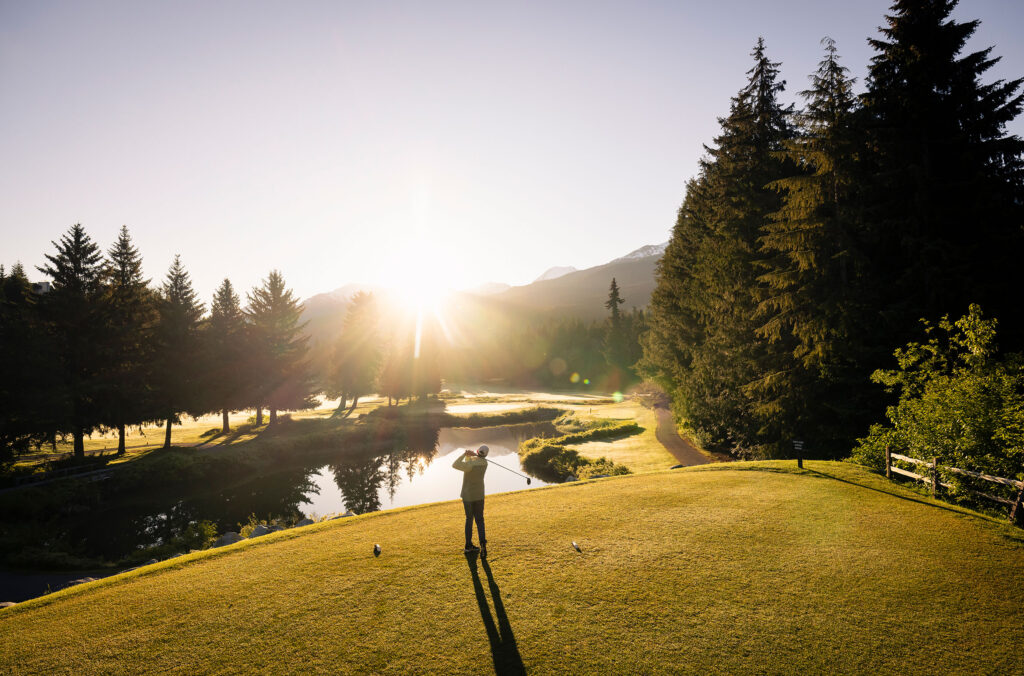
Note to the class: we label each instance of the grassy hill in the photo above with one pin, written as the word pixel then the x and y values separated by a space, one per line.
pixel 719 569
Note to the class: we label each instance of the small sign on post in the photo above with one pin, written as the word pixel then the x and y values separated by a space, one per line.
pixel 798 446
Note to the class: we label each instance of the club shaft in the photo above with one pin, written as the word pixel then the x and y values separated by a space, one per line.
pixel 506 468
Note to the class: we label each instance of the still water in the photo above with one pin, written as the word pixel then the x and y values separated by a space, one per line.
pixel 421 479
pixel 417 472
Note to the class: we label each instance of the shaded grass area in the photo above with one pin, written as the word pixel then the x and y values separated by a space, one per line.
pixel 725 569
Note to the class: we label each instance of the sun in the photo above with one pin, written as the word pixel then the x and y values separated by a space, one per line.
pixel 420 274
pixel 420 294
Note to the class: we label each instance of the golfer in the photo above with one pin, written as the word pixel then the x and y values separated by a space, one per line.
pixel 473 465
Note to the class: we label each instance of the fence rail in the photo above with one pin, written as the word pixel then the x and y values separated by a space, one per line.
pixel 932 477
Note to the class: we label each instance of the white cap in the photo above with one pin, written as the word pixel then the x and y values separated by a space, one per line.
pixel 482 451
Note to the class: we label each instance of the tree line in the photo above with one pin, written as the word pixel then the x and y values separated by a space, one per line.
pixel 102 349
pixel 812 241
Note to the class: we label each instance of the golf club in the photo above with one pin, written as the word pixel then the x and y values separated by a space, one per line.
pixel 508 470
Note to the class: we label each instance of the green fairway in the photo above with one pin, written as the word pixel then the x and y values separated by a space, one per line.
pixel 720 569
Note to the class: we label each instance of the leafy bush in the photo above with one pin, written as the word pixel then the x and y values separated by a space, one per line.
pixel 957 402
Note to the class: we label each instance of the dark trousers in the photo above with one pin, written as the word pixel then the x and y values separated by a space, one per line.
pixel 474 510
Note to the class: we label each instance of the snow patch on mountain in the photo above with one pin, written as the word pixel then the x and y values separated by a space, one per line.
pixel 643 252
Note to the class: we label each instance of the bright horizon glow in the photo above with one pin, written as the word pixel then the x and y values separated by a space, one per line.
pixel 340 142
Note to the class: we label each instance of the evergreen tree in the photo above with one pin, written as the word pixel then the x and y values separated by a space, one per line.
pixel 357 356
pixel 25 369
pixel 613 303
pixel 396 370
pixel 130 309
pixel 814 295
pixel 284 381
pixel 945 202
pixel 226 354
pixel 703 344
pixel 72 312
pixel 177 377
pixel 615 346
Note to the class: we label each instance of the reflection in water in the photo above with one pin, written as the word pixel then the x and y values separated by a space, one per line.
pixel 417 470
pixel 359 483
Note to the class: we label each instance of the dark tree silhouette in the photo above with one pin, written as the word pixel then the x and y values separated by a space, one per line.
pixel 703 344
pixel 26 369
pixel 131 311
pixel 283 381
pixel 73 314
pixel 226 354
pixel 177 376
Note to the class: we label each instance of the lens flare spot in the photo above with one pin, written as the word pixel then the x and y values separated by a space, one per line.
pixel 557 366
pixel 574 378
pixel 618 397
pixel 586 381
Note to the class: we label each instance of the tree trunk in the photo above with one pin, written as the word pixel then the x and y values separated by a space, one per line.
pixel 167 435
pixel 259 416
pixel 79 443
pixel 227 425
pixel 120 439
pixel 355 400
pixel 341 407
pixel 389 401
pixel 273 416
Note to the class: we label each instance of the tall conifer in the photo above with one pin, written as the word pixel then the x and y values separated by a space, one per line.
pixel 703 343
pixel 945 205
pixel 25 369
pixel 283 378
pixel 814 294
pixel 178 350
pixel 130 308
pixel 72 311
pixel 226 354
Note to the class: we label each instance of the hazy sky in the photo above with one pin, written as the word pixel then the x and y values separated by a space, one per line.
pixel 342 141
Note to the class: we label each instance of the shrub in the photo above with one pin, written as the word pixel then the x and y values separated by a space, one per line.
pixel 957 402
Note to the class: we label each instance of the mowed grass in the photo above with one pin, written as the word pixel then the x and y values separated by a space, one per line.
pixel 724 569
pixel 639 452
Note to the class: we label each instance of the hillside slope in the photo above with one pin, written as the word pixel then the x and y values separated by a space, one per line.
pixel 583 293
pixel 722 569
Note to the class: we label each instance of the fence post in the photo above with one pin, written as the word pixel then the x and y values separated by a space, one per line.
pixel 888 463
pixel 1017 513
pixel 798 446
pixel 935 476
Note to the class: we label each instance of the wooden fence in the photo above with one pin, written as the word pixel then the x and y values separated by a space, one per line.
pixel 932 478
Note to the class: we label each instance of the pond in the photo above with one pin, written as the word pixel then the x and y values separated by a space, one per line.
pixel 340 480
pixel 418 472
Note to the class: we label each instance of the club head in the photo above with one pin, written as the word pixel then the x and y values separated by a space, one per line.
pixel 527 482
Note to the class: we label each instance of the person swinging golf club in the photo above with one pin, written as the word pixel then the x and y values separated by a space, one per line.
pixel 473 465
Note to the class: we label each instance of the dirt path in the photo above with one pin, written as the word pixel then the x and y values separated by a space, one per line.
pixel 680 448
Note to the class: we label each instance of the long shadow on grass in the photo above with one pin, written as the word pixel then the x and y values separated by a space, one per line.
pixel 504 650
